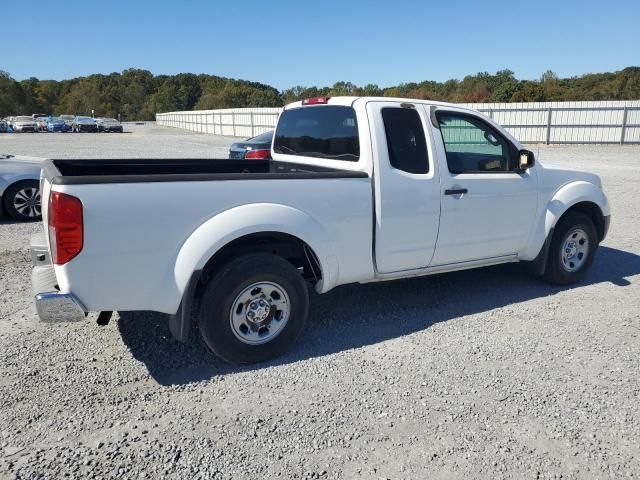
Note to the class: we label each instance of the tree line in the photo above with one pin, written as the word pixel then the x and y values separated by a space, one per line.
pixel 137 94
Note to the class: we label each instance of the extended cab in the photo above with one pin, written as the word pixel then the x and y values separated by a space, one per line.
pixel 359 190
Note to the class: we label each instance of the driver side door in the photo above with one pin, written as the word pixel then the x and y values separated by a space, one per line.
pixel 488 208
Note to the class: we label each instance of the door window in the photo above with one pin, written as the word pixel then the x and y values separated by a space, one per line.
pixel 472 145
pixel 406 142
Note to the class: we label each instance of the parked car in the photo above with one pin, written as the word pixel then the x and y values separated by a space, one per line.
pixel 109 125
pixel 3 126
pixel 258 147
pixel 84 124
pixel 20 186
pixel 55 124
pixel 68 120
pixel 360 189
pixel 42 124
pixel 24 124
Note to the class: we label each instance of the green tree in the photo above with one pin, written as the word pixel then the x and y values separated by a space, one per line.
pixel 138 94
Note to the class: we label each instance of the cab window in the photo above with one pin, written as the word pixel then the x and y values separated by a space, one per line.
pixel 406 142
pixel 329 132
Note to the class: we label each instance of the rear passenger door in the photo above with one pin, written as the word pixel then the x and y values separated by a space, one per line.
pixel 407 190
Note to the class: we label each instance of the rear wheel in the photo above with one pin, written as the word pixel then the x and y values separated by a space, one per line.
pixel 22 201
pixel 572 249
pixel 253 309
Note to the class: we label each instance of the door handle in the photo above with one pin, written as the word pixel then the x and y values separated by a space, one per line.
pixel 456 191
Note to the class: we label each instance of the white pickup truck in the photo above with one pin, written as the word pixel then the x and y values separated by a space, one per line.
pixel 359 190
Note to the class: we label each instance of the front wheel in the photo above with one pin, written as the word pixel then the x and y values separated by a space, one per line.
pixel 572 249
pixel 253 309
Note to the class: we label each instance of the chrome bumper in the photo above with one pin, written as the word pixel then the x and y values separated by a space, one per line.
pixel 52 306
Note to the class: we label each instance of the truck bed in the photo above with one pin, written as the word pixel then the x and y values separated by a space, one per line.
pixel 144 218
pixel 83 172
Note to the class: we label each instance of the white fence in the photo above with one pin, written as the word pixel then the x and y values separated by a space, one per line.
pixel 539 122
pixel 232 122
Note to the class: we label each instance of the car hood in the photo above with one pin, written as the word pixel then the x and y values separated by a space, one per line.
pixel 554 177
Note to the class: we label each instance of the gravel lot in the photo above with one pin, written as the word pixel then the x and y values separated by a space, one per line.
pixel 480 374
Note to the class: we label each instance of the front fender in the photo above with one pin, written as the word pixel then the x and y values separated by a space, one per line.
pixel 244 220
pixel 562 200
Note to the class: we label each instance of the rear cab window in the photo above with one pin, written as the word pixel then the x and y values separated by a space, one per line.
pixel 327 131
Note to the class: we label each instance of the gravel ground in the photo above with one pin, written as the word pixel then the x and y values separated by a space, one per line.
pixel 137 141
pixel 479 374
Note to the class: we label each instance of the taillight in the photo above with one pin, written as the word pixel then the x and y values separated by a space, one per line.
pixel 315 100
pixel 66 234
pixel 258 154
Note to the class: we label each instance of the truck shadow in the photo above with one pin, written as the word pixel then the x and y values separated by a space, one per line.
pixel 352 316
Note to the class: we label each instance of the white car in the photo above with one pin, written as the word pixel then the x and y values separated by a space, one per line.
pixel 359 190
pixel 20 186
pixel 25 124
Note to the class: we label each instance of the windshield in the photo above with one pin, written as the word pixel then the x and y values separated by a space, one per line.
pixel 67 117
pixel 84 119
pixel 325 132
pixel 24 119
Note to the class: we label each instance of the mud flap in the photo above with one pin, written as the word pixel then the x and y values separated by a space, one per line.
pixel 180 322
pixel 538 265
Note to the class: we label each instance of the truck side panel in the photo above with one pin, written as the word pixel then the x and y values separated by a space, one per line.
pixel 134 233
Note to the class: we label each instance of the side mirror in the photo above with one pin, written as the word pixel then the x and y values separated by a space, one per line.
pixel 526 160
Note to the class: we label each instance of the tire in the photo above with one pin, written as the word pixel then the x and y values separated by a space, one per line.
pixel 227 303
pixel 22 201
pixel 572 249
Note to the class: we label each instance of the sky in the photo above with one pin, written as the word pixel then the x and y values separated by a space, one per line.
pixel 317 43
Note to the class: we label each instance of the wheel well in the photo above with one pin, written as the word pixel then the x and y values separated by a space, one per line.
pixel 592 211
pixel 291 248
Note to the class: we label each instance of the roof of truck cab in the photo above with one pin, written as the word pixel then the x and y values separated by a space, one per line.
pixel 349 101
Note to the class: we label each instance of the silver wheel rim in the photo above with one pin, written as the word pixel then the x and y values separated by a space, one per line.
pixel 27 202
pixel 575 250
pixel 259 313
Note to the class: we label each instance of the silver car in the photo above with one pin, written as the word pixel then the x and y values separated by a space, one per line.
pixel 20 187
pixel 25 124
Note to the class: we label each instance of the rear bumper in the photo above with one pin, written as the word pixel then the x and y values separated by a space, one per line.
pixel 52 305
pixel 87 128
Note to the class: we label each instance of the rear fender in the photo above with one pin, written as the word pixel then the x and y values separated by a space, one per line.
pixel 244 220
